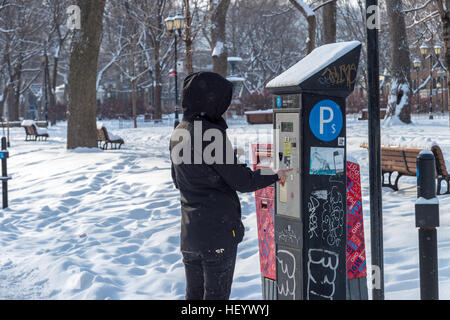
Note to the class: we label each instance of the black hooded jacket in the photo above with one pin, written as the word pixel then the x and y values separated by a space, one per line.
pixel 210 207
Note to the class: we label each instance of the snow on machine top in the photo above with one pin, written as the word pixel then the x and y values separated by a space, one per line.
pixel 332 68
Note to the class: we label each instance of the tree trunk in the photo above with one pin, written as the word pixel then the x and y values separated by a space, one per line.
pixel 218 38
pixel 15 110
pixel 158 87
pixel 16 101
pixel 399 102
pixel 158 96
pixel 14 92
pixel 312 24
pixel 10 100
pixel 82 105
pixel 134 86
pixel 329 23
pixel 52 92
pixel 189 64
pixel 50 98
pixel 134 102
pixel 2 102
pixel 188 39
pixel 445 17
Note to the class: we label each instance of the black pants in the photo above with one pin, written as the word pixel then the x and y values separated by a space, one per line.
pixel 209 276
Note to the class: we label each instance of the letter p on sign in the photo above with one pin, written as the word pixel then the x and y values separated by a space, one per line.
pixel 322 118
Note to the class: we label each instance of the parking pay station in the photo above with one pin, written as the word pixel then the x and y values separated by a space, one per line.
pixel 310 137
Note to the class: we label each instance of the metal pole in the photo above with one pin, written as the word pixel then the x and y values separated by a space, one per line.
pixel 427 219
pixel 376 210
pixel 177 120
pixel 418 85
pixel 442 94
pixel 431 86
pixel 4 175
pixel 446 95
pixel 446 98
pixel 46 88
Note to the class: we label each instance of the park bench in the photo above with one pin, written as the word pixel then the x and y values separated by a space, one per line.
pixel 259 117
pixel 441 169
pixel 402 160
pixel 104 138
pixel 364 115
pixel 32 133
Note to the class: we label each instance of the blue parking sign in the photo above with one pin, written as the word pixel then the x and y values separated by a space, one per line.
pixel 279 102
pixel 326 120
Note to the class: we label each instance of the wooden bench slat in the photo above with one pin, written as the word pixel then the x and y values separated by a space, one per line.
pixel 397 158
pixel 397 163
pixel 408 154
pixel 411 172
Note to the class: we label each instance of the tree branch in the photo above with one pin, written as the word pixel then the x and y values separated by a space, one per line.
pixel 327 3
pixel 419 8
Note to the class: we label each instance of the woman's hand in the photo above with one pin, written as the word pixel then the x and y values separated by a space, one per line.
pixel 282 176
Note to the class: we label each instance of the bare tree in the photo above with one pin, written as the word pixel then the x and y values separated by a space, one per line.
pixel 152 14
pixel 82 105
pixel 444 11
pixel 218 36
pixel 262 38
pixel 329 23
pixel 197 13
pixel 310 16
pixel 57 35
pixel 132 71
pixel 399 103
pixel 20 26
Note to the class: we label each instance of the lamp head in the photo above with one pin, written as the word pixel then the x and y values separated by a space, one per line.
pixel 169 21
pixel 424 49
pixel 178 22
pixel 438 49
pixel 417 63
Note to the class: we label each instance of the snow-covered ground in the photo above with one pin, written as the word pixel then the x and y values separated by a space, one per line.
pixel 92 224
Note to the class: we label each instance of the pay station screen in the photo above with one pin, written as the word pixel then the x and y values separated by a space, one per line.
pixel 287 127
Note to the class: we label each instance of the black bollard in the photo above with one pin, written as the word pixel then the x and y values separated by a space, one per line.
pixel 4 154
pixel 427 219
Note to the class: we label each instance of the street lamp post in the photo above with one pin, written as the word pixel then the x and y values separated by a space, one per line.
pixel 417 63
pixel 445 86
pixel 425 50
pixel 437 51
pixel 174 25
pixel 441 76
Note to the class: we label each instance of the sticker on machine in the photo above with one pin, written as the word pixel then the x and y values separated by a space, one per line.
pixel 327 161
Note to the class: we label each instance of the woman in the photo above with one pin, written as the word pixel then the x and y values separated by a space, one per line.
pixel 211 226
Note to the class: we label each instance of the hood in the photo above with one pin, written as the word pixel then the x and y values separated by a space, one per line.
pixel 206 94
